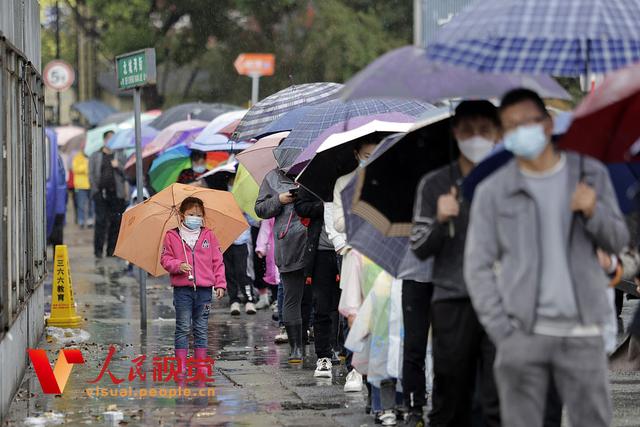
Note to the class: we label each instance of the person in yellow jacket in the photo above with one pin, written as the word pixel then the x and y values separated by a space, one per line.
pixel 80 167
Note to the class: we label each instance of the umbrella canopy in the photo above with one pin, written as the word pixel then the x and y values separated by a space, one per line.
pixel 116 118
pixel 322 117
pixel 605 124
pixel 388 252
pixel 174 134
pixel 144 226
pixel 93 110
pixel 286 122
pixel 211 134
pixel 126 138
pixel 275 106
pixel 554 37
pixel 191 111
pixel 353 128
pixel 65 134
pixel 335 156
pixel 386 186
pixel 245 191
pixel 166 167
pixel 95 135
pixel 259 159
pixel 407 73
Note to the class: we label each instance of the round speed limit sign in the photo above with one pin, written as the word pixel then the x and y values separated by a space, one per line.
pixel 58 76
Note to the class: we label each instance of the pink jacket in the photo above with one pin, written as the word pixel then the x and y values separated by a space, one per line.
pixel 205 258
pixel 264 244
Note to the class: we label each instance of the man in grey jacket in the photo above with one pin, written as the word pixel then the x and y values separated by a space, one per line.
pixel 533 274
pixel 109 193
pixel 276 200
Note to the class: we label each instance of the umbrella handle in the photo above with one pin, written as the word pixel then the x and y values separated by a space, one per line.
pixel 452 230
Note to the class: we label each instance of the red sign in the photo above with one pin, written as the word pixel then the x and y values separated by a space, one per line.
pixel 58 75
pixel 255 64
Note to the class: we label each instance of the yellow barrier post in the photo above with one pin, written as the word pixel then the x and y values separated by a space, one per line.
pixel 63 309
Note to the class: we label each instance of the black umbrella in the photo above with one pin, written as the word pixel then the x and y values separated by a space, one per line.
pixel 191 111
pixel 386 186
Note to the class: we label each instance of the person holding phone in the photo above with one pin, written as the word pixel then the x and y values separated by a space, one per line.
pixel 276 200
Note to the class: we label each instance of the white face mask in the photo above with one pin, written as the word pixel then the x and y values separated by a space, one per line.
pixel 475 148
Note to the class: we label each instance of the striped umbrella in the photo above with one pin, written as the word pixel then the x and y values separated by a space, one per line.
pixel 556 37
pixel 273 107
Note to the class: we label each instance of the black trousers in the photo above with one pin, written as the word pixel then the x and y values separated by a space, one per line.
pixel 108 211
pixel 259 264
pixel 235 268
pixel 416 305
pixel 462 352
pixel 326 294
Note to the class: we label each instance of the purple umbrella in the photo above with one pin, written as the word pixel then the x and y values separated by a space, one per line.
pixel 407 73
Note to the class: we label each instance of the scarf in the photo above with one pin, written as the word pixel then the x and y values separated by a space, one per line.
pixel 188 235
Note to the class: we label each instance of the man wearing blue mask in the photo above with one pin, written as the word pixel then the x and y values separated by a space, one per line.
pixel 198 167
pixel 533 273
pixel 462 351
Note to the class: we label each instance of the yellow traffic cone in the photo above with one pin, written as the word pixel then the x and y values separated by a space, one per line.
pixel 63 309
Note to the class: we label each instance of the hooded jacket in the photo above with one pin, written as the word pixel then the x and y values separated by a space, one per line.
pixel 205 258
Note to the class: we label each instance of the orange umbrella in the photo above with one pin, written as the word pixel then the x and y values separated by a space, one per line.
pixel 144 226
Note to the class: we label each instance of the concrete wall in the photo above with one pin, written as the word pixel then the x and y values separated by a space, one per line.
pixel 25 333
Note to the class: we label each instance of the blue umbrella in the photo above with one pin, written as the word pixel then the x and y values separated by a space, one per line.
pixel 407 73
pixel 553 37
pixel 126 138
pixel 93 110
pixel 322 117
pixel 625 178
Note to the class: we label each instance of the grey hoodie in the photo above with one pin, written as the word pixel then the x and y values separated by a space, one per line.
pixel 289 233
pixel 502 264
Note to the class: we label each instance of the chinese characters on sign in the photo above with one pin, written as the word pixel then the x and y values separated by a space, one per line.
pixel 136 69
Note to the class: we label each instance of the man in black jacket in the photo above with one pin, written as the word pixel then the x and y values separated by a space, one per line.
pixel 321 272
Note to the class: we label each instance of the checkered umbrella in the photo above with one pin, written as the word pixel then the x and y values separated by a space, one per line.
pixel 322 117
pixel 554 37
pixel 388 252
pixel 275 106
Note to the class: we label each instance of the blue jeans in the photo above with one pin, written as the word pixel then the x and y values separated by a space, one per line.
pixel 85 207
pixel 192 310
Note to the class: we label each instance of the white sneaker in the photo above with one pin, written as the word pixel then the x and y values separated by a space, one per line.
pixel 235 309
pixel 274 306
pixel 282 337
pixel 388 417
pixel 249 308
pixel 353 382
pixel 323 368
pixel 263 302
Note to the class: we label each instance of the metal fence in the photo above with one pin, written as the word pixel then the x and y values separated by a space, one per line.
pixel 22 158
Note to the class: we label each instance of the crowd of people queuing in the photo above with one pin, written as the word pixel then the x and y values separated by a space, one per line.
pixel 510 290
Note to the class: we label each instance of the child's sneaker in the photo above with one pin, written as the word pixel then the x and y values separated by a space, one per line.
pixel 386 418
pixel 263 302
pixel 323 368
pixel 235 309
pixel 249 308
pixel 282 337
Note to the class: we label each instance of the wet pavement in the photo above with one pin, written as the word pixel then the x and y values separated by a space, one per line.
pixel 253 383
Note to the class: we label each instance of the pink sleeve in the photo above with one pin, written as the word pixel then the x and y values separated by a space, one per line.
pixel 218 265
pixel 168 259
pixel 262 242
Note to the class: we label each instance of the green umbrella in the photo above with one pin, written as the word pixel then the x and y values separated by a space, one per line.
pixel 167 172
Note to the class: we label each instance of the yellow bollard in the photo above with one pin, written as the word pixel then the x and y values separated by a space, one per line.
pixel 63 309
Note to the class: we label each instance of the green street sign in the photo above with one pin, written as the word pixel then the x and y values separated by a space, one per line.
pixel 135 69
